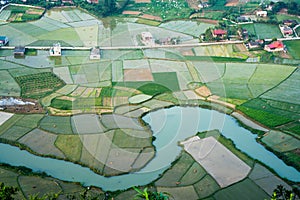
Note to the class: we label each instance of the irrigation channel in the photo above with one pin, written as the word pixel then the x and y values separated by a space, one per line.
pixel 169 126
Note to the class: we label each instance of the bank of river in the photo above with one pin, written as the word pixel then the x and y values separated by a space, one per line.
pixel 169 126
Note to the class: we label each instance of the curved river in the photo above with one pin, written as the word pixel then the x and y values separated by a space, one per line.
pixel 169 126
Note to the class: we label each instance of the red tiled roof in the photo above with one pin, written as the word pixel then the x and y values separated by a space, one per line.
pixel 276 45
pixel 219 32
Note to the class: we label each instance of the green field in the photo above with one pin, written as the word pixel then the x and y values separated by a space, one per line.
pixel 247 188
pixel 39 85
pixel 266 114
pixel 56 124
pixel 263 31
pixel 293 48
pixel 188 27
pixel 287 91
pixel 8 86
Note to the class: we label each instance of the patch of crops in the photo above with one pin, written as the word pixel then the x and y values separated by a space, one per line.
pixel 265 114
pixel 8 86
pixel 287 91
pixel 123 140
pixel 280 141
pixel 246 189
pixel 148 22
pixel 31 184
pixel 168 80
pixel 41 142
pixel 293 48
pixel 15 132
pixel 30 121
pixel 209 184
pixel 177 171
pixel 56 124
pixel 39 85
pixel 70 145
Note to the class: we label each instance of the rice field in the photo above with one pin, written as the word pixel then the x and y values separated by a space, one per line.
pixel 8 85
pixel 260 83
pixel 41 142
pixel 56 124
pixel 188 27
pixel 246 188
pixel 286 91
pixel 4 15
pixel 263 31
pixel 280 141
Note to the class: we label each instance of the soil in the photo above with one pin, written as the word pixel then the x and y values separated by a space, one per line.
pixel 232 3
pixel 142 1
pixel 138 75
pixel 203 91
pixel 151 17
pixel 128 12
pixel 36 108
pixel 210 21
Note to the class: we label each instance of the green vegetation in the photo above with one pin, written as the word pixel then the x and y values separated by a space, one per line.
pixel 246 188
pixel 56 124
pixel 70 145
pixel 262 112
pixel 167 10
pixel 23 13
pixel 123 140
pixel 153 89
pixel 293 48
pixel 38 85
pixel 148 22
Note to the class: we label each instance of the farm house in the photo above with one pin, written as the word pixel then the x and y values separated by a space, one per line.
pixel 219 33
pixel 147 38
pixel 274 46
pixel 55 50
pixel 3 40
pixel 261 13
pixel 95 54
pixel 19 51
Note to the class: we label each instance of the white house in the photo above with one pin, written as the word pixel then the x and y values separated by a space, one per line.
pixel 95 54
pixel 3 40
pixel 147 38
pixel 55 50
pixel 262 13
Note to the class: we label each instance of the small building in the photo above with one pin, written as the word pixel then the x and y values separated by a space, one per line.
pixel 19 51
pixel 287 31
pixel 3 40
pixel 93 1
pixel 255 44
pixel 274 46
pixel 262 13
pixel 3 2
pixel 219 33
pixel 289 22
pixel 242 19
pixel 55 50
pixel 95 54
pixel 147 38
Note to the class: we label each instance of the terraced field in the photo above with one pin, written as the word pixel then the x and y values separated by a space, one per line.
pixel 93 108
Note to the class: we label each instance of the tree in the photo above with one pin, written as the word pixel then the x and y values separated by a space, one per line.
pixel 281 193
pixel 7 192
pixel 150 195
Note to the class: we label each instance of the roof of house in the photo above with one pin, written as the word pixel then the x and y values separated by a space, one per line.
pixel 219 32
pixel 19 49
pixel 276 45
pixel 289 21
pixel 3 37
pixel 95 51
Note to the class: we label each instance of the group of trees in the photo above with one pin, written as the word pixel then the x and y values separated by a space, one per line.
pixel 103 8
pixel 292 7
